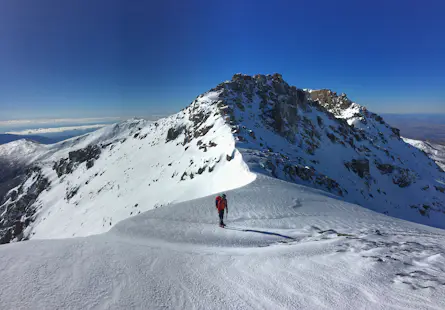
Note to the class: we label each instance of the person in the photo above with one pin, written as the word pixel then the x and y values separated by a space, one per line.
pixel 221 206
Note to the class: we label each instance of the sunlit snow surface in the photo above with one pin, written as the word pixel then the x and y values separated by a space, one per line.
pixel 150 244
pixel 341 256
pixel 434 150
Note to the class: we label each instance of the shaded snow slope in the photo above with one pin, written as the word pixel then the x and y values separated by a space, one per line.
pixel 433 150
pixel 341 256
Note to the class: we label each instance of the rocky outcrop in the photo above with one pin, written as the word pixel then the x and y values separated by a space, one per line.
pixel 20 206
pixel 403 177
pixel 314 123
pixel 310 175
pixel 173 133
pixel 359 166
pixel 330 100
pixel 385 168
pixel 67 165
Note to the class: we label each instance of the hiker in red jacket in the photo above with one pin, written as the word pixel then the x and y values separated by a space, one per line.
pixel 221 205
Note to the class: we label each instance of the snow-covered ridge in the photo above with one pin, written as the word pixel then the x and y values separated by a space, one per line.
pixel 324 140
pixel 118 171
pixel 433 150
pixel 248 125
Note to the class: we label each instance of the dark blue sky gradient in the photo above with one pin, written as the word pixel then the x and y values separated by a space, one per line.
pixel 89 58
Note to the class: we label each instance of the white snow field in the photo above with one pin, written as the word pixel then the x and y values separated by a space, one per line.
pixel 434 150
pixel 330 255
pixel 129 218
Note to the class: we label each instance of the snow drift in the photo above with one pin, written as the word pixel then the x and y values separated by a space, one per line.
pixel 340 256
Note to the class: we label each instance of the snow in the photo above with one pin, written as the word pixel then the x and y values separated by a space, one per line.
pixel 138 228
pixel 342 256
pixel 23 147
pixel 136 175
pixel 434 150
pixel 138 170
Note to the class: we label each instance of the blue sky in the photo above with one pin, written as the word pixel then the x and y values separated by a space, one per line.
pixel 89 58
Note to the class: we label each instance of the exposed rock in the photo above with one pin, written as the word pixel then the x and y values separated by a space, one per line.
pixel 403 177
pixel 174 133
pixel 396 131
pixel 71 193
pixel 331 137
pixel 440 189
pixel 203 131
pixel 90 163
pixel 359 166
pixel 67 165
pixel 320 122
pixel 21 211
pixel 14 195
pixel 330 100
pixel 385 168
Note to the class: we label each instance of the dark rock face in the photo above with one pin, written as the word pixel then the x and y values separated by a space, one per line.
pixel 330 100
pixel 173 133
pixel 71 193
pixel 67 165
pixel 385 168
pixel 359 166
pixel 20 206
pixel 403 177
pixel 396 131
pixel 82 155
pixel 440 189
pixel 308 174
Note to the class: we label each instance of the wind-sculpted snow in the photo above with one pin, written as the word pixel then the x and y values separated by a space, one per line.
pixel 341 256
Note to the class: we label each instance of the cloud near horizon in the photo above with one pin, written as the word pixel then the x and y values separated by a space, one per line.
pixel 54 130
pixel 57 120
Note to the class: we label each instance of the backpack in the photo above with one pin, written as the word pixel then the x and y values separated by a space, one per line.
pixel 221 203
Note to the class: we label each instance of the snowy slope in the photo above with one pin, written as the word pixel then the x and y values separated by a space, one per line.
pixel 341 256
pixel 85 185
pixel 433 150
pixel 135 202
pixel 326 141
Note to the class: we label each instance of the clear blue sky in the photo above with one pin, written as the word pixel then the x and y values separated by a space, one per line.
pixel 89 58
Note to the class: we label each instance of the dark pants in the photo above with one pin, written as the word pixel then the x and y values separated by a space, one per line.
pixel 221 217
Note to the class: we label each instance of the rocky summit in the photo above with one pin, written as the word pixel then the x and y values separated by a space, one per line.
pixel 242 127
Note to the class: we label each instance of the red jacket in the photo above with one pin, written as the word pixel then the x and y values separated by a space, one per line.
pixel 221 203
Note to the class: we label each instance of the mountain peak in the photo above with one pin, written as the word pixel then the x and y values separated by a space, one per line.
pixel 243 127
